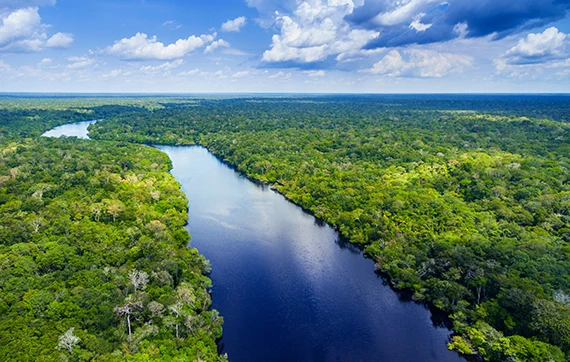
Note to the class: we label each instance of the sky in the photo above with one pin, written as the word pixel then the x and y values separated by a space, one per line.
pixel 306 46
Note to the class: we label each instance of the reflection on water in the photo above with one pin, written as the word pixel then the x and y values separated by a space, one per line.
pixel 289 287
pixel 78 130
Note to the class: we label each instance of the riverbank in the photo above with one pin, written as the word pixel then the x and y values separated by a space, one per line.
pixel 287 286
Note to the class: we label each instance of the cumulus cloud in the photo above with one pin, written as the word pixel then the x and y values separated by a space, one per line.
pixel 537 53
pixel 398 21
pixel 22 31
pixel 420 63
pixel 220 43
pixel 391 65
pixel 20 24
pixel 234 25
pixel 538 47
pixel 316 31
pixel 141 47
pixel 60 40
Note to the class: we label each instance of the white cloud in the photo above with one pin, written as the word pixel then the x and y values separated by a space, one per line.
pixel 60 40
pixel 547 44
pixel 242 74
pixel 45 61
pixel 314 73
pixel 19 25
pixel 401 12
pixel 221 43
pixel 461 29
pixel 79 62
pixel 553 69
pixel 391 65
pixel 164 66
pixel 537 54
pixel 141 47
pixel 234 25
pixel 418 25
pixel 22 31
pixel 315 31
pixel 421 63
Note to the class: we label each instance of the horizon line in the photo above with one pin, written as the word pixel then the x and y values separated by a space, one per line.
pixel 3 93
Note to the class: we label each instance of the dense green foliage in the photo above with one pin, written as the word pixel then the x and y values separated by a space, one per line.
pixel 470 212
pixel 94 263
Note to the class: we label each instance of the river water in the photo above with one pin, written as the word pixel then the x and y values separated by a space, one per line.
pixel 288 287
pixel 78 130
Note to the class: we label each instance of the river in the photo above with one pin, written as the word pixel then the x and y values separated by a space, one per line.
pixel 288 287
pixel 78 130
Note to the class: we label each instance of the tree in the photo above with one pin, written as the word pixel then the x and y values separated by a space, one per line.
pixel 131 306
pixel 36 223
pixel 561 297
pixel 68 341
pixel 156 309
pixel 96 211
pixel 39 190
pixel 139 279
pixel 177 311
pixel 114 208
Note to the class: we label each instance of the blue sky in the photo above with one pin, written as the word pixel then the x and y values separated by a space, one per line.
pixel 384 46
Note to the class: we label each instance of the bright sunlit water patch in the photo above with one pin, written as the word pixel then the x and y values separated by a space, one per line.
pixel 78 130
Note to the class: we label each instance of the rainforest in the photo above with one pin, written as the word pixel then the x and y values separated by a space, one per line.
pixel 462 202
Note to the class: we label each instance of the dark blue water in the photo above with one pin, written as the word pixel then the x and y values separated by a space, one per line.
pixel 288 288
